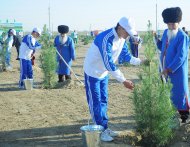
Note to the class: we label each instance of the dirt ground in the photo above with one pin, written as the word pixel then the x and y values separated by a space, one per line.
pixel 53 117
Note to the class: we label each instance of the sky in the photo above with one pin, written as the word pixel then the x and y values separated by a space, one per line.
pixel 89 15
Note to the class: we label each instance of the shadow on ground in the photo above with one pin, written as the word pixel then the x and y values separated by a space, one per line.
pixel 58 136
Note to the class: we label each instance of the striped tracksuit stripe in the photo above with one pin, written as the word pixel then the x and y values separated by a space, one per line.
pixel 97 97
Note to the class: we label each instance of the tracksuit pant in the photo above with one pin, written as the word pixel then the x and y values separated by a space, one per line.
pixel 97 97
pixel 8 58
pixel 134 50
pixel 26 71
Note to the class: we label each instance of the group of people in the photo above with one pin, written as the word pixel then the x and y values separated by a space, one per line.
pixel 66 54
pixel 100 60
pixel 10 39
pixel 27 46
pixel 111 45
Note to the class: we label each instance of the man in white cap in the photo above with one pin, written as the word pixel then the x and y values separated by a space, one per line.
pixel 174 48
pixel 28 47
pixel 99 61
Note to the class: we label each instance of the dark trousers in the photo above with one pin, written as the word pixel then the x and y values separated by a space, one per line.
pixel 184 115
pixel 63 77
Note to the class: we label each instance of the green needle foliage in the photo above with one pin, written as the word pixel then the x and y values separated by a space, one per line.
pixel 154 111
pixel 48 59
pixel 3 51
pixel 86 39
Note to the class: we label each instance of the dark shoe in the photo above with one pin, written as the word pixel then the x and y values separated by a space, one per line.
pixel 184 116
pixel 67 77
pixel 184 121
pixel 60 77
pixel 17 59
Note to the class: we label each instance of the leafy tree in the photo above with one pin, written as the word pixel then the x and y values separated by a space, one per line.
pixel 154 110
pixel 48 59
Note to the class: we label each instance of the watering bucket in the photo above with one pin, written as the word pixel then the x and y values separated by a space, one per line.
pixel 91 135
pixel 28 83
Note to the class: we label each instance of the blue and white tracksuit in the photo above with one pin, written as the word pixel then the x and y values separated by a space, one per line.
pixel 27 48
pixel 100 60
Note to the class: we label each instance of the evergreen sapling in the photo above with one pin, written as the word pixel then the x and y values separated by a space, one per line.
pixel 48 59
pixel 154 110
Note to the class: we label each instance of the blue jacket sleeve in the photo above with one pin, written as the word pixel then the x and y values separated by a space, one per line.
pixel 29 43
pixel 37 44
pixel 159 44
pixel 107 56
pixel 55 42
pixel 182 52
pixel 125 55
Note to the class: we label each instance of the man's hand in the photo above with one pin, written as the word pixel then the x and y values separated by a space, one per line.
pixel 166 72
pixel 128 84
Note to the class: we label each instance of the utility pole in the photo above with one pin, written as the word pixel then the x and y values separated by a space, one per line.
pixel 52 29
pixel 49 17
pixel 156 18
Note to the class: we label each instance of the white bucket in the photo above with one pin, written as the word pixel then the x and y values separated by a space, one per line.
pixel 28 84
pixel 91 135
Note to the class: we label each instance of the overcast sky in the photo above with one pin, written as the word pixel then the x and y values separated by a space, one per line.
pixel 89 14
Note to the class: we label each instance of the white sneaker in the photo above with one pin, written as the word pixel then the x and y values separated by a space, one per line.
pixel 106 137
pixel 9 68
pixel 111 133
pixel 21 87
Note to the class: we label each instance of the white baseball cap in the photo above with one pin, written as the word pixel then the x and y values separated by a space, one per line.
pixel 13 31
pixel 37 30
pixel 128 25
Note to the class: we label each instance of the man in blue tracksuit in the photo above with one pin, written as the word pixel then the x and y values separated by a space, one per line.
pixel 135 43
pixel 28 47
pixel 174 48
pixel 99 61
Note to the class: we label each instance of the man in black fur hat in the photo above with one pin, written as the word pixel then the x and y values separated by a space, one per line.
pixel 174 49
pixel 65 46
pixel 183 28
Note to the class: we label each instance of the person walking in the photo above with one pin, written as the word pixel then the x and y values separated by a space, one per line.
pixel 99 61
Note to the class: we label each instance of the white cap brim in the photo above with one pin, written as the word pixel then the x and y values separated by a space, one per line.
pixel 132 32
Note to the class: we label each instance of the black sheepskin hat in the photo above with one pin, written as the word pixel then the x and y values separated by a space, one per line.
pixel 63 29
pixel 172 15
